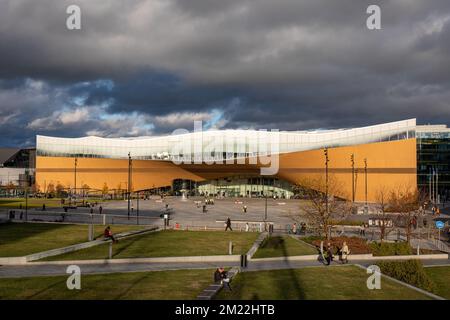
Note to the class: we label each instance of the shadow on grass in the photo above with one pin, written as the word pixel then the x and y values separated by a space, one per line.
pixel 128 243
pixel 293 280
pixel 10 232
pixel 36 294
pixel 288 287
pixel 131 286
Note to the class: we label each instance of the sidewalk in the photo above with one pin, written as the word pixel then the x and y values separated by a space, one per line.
pixel 31 270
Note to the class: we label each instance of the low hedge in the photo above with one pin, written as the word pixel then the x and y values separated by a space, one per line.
pixel 272 242
pixel 355 244
pixel 390 249
pixel 409 271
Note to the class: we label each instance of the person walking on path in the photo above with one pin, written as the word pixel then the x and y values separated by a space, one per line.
pixel 345 252
pixel 329 254
pixel 244 209
pixel 228 224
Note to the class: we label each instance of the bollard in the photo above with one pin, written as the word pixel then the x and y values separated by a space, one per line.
pixel 243 260
pixel 110 250
pixel 230 248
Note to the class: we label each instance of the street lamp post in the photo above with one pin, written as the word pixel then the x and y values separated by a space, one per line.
pixel 325 151
pixel 365 178
pixel 26 203
pixel 137 208
pixel 352 159
pixel 75 175
pixel 129 183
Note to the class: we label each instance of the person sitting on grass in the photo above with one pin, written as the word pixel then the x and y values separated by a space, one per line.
pixel 109 235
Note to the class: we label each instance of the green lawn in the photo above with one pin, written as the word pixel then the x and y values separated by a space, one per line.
pixel 441 279
pixel 181 285
pixel 283 246
pixel 20 239
pixel 170 243
pixel 314 283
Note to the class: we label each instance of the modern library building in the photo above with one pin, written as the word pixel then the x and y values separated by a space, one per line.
pixel 252 163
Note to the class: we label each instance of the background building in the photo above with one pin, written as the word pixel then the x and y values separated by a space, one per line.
pixel 17 167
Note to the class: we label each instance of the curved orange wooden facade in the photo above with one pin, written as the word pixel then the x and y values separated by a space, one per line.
pixel 390 165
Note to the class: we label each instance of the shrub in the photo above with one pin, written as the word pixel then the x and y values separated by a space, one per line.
pixel 311 239
pixel 390 249
pixel 346 222
pixel 272 242
pixel 355 244
pixel 409 271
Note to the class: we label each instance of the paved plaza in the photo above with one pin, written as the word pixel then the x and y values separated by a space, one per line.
pixel 185 212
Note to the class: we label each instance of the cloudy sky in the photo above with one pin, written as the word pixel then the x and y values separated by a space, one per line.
pixel 147 67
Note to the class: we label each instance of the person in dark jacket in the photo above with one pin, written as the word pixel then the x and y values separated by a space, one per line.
pixel 109 235
pixel 228 224
pixel 217 276
pixel 224 278
pixel 329 254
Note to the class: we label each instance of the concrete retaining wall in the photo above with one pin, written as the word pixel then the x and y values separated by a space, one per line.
pixel 256 245
pixel 13 260
pixel 356 257
pixel 75 247
pixel 84 245
pixel 212 259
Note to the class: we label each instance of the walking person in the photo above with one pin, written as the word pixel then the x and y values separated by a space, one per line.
pixel 244 209
pixel 100 209
pixel 294 228
pixel 329 254
pixel 345 251
pixel 228 224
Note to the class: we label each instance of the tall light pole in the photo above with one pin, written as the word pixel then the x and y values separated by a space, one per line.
pixel 437 186
pixel 352 159
pixel 75 175
pixel 26 203
pixel 137 207
pixel 129 183
pixel 265 210
pixel 325 151
pixel 365 177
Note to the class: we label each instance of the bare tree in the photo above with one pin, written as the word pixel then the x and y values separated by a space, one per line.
pixel 321 211
pixel 385 225
pixel 407 201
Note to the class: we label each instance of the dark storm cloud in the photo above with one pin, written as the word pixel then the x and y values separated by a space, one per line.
pixel 147 67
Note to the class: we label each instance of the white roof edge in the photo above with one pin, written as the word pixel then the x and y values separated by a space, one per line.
pixel 409 122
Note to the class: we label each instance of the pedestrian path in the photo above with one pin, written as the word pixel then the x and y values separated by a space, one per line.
pixel 31 270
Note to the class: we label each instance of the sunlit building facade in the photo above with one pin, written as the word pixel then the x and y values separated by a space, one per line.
pixel 240 163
